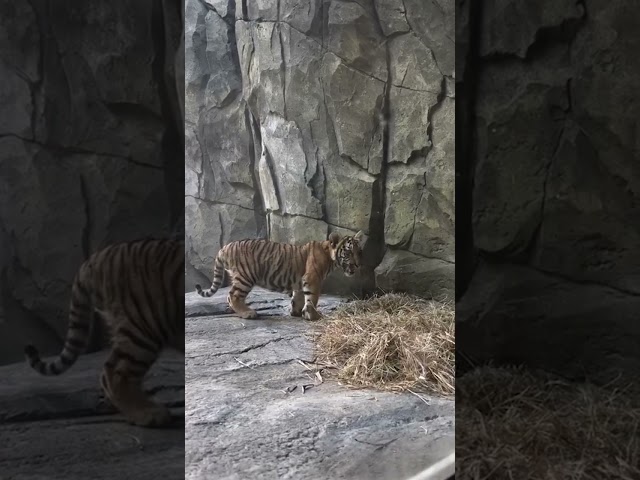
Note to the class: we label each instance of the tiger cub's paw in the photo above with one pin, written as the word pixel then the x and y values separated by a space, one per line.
pixel 309 312
pixel 249 315
pixel 295 312
pixel 154 416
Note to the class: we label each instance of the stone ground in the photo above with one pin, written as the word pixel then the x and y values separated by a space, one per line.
pixel 58 428
pixel 240 424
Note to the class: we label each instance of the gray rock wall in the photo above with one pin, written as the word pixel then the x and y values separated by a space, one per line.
pixel 285 138
pixel 90 148
pixel 552 155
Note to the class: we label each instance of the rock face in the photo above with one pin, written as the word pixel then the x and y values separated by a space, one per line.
pixel 90 148
pixel 556 181
pixel 240 423
pixel 286 138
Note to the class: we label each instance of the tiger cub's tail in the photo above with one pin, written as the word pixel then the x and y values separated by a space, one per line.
pixel 218 276
pixel 77 334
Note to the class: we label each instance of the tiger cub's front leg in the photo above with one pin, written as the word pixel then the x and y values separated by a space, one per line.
pixel 311 290
pixel 297 303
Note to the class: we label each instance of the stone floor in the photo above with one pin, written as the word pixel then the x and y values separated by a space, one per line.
pixel 238 421
pixel 59 428
pixel 240 424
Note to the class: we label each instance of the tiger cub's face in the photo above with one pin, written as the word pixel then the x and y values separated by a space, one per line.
pixel 348 251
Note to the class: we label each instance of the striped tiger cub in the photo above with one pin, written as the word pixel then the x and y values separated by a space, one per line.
pixel 298 270
pixel 138 288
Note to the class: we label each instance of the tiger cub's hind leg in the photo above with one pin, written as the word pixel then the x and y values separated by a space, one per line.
pixel 130 359
pixel 297 303
pixel 240 288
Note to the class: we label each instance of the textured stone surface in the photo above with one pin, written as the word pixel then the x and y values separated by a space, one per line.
pixel 516 314
pixel 570 161
pixel 415 274
pixel 90 148
pixel 296 229
pixel 61 429
pixel 240 423
pixel 555 186
pixel 284 116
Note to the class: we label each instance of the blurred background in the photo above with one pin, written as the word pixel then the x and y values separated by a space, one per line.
pixel 91 148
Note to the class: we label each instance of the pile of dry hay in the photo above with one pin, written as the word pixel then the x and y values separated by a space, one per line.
pixel 511 424
pixel 392 342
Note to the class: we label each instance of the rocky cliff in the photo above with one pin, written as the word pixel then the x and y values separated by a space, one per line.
pixel 91 148
pixel 303 118
pixel 549 184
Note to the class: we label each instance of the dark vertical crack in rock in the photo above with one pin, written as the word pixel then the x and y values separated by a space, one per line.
pixel 333 142
pixel 35 87
pixel 404 14
pixel 324 13
pixel 233 42
pixel 204 164
pixel 375 247
pixel 531 248
pixel 466 149
pixel 221 239
pixel 255 141
pixel 569 96
pixel 375 130
pixel 245 14
pixel 325 217
pixel 250 63
pixel 172 139
pixel 272 171
pixel 253 130
pixel 174 34
pixel 331 130
pixel 434 109
pixel 88 224
pixel 317 183
pixel 423 190
pixel 283 64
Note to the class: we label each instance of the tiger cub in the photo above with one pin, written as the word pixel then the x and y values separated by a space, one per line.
pixel 138 288
pixel 298 270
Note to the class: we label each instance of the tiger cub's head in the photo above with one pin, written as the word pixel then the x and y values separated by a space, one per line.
pixel 347 251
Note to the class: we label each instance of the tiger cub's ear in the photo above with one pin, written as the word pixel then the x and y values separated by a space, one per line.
pixel 361 238
pixel 334 238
